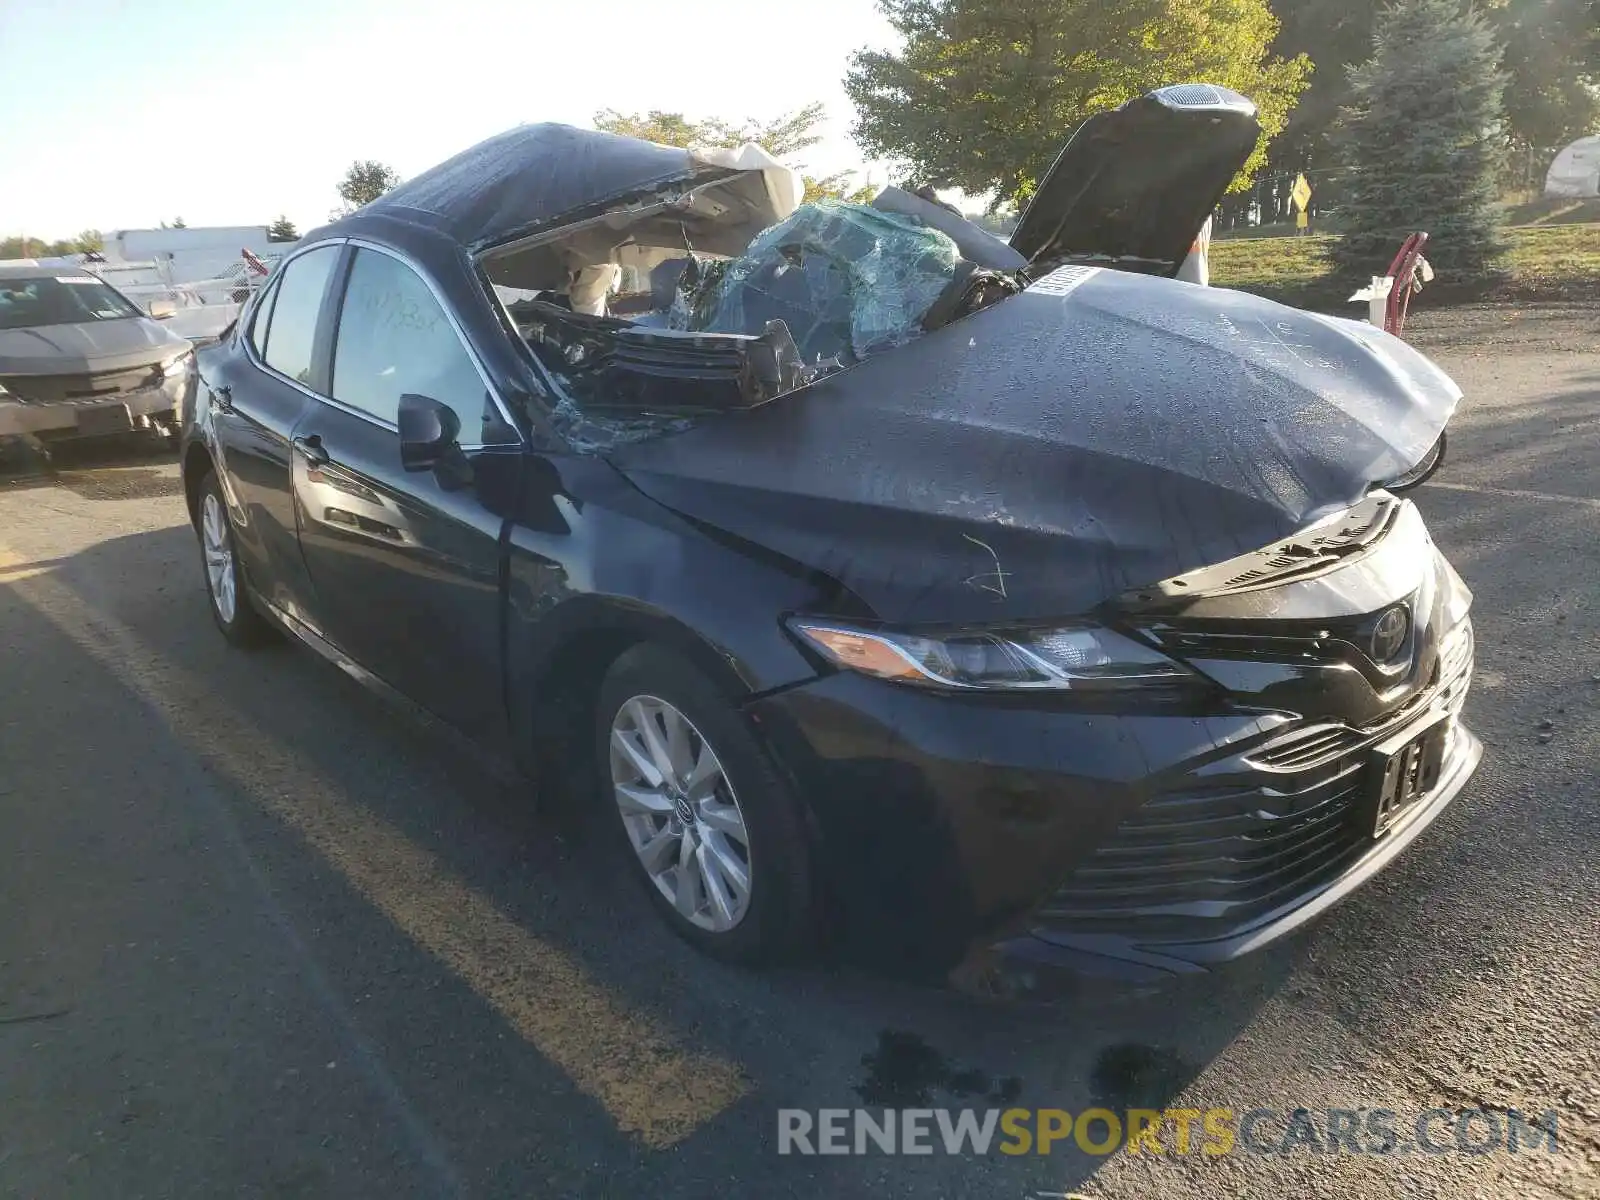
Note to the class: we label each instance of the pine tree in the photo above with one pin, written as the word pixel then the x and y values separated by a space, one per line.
pixel 1422 138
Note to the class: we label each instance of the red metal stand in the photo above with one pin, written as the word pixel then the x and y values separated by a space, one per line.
pixel 1404 272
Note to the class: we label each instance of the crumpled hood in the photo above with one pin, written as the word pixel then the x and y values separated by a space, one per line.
pixel 1100 431
pixel 85 347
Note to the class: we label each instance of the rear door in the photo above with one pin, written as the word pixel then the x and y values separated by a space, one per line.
pixel 406 565
pixel 264 389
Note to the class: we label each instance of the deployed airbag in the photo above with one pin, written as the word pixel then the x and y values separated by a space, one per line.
pixel 978 245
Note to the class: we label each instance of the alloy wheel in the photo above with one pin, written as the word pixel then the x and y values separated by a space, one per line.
pixel 217 543
pixel 681 814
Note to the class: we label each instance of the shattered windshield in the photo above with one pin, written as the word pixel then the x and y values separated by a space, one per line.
pixel 847 280
pixel 818 292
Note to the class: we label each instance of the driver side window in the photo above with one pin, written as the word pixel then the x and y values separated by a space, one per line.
pixel 394 339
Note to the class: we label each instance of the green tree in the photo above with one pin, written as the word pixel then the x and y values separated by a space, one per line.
pixel 1422 139
pixel 783 135
pixel 179 223
pixel 984 92
pixel 282 230
pixel 839 186
pixel 32 247
pixel 1551 59
pixel 1552 64
pixel 364 182
pixel 1334 35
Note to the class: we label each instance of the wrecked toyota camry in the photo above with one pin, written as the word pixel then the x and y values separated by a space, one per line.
pixel 999 607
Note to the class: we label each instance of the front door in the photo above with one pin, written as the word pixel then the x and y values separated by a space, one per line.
pixel 407 565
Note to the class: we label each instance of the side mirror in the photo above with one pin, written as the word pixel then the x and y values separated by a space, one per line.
pixel 161 310
pixel 428 432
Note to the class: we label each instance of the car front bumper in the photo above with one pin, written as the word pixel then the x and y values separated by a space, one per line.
pixel 110 413
pixel 1045 960
pixel 1013 848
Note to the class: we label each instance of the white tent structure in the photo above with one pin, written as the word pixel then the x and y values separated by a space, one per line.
pixel 1576 170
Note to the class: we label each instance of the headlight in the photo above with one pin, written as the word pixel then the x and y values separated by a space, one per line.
pixel 177 366
pixel 1072 657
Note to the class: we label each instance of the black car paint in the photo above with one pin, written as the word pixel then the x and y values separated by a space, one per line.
pixel 1025 464
pixel 250 444
pixel 943 817
pixel 1136 183
pixel 549 527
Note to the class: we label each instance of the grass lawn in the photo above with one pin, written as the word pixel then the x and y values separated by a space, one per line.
pixel 1545 262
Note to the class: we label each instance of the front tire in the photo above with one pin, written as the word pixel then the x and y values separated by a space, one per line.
pixel 711 830
pixel 230 602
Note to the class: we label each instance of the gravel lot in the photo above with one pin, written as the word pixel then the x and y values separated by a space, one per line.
pixel 262 936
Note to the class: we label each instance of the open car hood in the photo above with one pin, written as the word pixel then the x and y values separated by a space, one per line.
pixel 1133 186
pixel 1101 431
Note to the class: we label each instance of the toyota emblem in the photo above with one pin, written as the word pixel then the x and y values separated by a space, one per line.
pixel 1389 634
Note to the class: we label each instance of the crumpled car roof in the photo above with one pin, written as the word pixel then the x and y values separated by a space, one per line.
pixel 538 176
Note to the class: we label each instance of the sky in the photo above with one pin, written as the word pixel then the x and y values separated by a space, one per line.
pixel 119 114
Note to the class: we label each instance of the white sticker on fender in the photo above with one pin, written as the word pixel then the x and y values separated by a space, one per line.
pixel 1064 280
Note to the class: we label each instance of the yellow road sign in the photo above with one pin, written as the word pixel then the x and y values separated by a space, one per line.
pixel 1300 221
pixel 1300 193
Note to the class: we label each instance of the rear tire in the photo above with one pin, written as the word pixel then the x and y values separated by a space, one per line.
pixel 692 802
pixel 229 599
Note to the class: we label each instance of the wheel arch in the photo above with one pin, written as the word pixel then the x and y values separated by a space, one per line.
pixel 552 696
pixel 194 465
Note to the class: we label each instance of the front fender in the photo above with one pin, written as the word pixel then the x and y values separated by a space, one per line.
pixel 594 566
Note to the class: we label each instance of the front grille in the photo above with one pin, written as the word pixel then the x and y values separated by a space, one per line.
pixel 1455 668
pixel 1307 747
pixel 1217 856
pixel 52 389
pixel 1199 861
pixel 1314 745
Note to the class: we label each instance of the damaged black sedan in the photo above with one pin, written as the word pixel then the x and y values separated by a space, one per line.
pixel 1000 606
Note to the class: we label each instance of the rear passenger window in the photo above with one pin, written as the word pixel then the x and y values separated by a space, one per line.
pixel 263 317
pixel 394 338
pixel 293 327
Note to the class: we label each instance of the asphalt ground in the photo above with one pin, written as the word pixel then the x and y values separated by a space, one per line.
pixel 261 935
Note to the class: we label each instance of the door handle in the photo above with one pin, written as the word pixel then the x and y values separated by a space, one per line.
pixel 311 449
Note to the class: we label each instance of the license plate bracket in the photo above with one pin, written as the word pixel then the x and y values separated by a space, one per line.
pixel 1402 770
pixel 104 419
